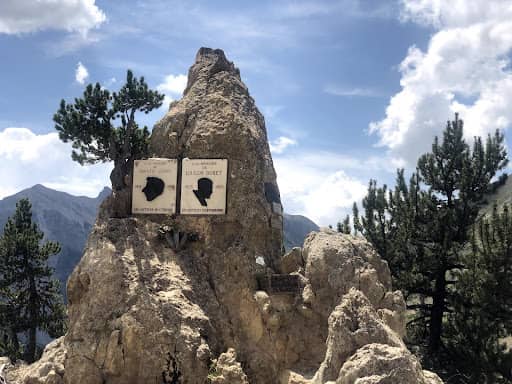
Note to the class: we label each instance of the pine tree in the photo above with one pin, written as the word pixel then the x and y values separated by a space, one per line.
pixel 344 226
pixel 375 224
pixel 421 229
pixel 29 296
pixel 392 223
pixel 90 124
pixel 457 178
pixel 482 315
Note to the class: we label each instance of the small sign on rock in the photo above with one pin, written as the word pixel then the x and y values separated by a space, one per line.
pixel 279 283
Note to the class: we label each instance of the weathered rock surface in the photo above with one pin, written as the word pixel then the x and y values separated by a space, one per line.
pixel 140 312
pixel 48 370
pixel 292 261
pixel 217 118
pixel 227 370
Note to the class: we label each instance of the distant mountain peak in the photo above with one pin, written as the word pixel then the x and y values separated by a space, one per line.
pixel 38 186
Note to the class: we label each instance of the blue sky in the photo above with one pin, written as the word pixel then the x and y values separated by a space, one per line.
pixel 350 89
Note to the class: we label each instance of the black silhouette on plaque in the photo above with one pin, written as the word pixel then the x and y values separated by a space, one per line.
pixel 204 190
pixel 154 188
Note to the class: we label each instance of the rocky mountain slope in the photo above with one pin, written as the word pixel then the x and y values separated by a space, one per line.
pixel 142 310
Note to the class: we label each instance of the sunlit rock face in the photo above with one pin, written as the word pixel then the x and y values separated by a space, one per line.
pixel 218 119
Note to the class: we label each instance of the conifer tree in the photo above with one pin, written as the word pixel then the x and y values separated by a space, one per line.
pixel 90 125
pixel 375 224
pixel 344 226
pixel 421 229
pixel 457 178
pixel 29 296
pixel 482 315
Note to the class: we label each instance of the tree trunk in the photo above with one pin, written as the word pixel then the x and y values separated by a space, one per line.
pixel 31 346
pixel 121 178
pixel 30 354
pixel 13 337
pixel 437 312
pixel 117 176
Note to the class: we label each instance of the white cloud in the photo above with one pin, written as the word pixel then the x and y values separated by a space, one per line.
pixel 465 69
pixel 454 13
pixel 172 87
pixel 336 90
pixel 323 185
pixel 81 73
pixel 27 158
pixel 280 144
pixel 22 16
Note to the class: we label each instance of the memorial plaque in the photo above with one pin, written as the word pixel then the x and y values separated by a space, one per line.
pixel 284 284
pixel 203 186
pixel 154 186
pixel 279 283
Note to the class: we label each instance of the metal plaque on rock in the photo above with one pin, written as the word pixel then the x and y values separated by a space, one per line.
pixel 154 186
pixel 284 283
pixel 203 186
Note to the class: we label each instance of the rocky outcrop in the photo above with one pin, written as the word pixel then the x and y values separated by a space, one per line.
pixel 48 370
pixel 217 118
pixel 141 312
pixel 227 370
pixel 381 364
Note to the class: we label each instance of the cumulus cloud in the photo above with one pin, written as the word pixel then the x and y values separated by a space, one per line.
pixel 22 16
pixel 172 87
pixel 81 73
pixel 324 185
pixel 464 69
pixel 173 84
pixel 27 158
pixel 280 144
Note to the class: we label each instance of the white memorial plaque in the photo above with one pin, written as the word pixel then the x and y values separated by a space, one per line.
pixel 154 186
pixel 203 186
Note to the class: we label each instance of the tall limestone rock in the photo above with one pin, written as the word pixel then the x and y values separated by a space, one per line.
pixel 217 118
pixel 142 311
